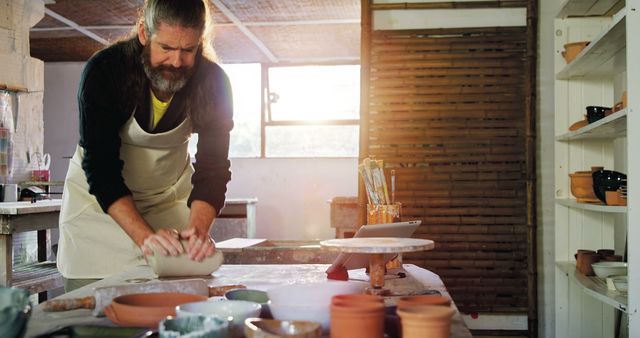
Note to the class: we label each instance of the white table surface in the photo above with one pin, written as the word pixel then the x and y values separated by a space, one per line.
pixel 260 277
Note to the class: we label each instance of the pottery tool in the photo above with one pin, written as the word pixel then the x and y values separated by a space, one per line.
pixel 393 186
pixel 102 296
pixel 373 199
pixel 384 181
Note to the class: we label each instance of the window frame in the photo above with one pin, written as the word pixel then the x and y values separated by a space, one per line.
pixel 265 114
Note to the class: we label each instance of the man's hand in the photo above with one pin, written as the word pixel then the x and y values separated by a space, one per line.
pixel 200 246
pixel 163 241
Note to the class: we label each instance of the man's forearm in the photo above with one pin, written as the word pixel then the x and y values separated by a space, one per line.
pixel 202 216
pixel 124 212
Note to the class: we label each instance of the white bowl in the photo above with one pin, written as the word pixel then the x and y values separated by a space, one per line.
pixel 313 293
pixel 606 269
pixel 315 313
pixel 620 283
pixel 239 310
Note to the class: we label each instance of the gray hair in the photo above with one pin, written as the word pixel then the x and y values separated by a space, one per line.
pixel 185 13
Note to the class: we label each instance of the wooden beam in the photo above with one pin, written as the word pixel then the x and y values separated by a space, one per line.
pixel 75 26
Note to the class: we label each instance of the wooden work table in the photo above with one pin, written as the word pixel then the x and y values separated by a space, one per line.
pixel 16 217
pixel 260 277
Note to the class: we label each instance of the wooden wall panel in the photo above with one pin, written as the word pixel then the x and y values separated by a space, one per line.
pixel 446 110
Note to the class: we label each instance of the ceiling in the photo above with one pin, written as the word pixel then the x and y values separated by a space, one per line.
pixel 265 31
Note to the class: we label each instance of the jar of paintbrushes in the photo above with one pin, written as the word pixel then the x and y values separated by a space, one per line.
pixel 380 208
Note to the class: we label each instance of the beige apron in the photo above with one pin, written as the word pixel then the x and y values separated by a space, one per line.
pixel 157 169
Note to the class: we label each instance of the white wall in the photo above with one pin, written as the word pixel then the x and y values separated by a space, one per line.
pixel 545 167
pixel 292 193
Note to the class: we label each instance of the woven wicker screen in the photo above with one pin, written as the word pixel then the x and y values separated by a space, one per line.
pixel 447 112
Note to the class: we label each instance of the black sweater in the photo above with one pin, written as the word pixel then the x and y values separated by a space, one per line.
pixel 113 84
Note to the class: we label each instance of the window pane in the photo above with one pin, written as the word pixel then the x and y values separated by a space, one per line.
pixel 312 141
pixel 315 92
pixel 245 83
pixel 245 136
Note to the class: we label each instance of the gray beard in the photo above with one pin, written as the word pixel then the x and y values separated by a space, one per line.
pixel 158 81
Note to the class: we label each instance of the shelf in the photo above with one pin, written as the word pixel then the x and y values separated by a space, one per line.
pixel 573 8
pixel 594 286
pixel 610 127
pixel 569 202
pixel 599 58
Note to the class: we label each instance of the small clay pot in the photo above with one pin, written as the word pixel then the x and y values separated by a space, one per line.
pixel 606 252
pixel 582 187
pixel 584 261
pixel 419 321
pixel 407 301
pixel 571 50
pixel 612 258
pixel 575 255
pixel 356 298
pixel 357 319
pixel 614 198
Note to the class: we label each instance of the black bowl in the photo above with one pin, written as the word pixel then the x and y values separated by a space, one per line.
pixel 607 180
pixel 595 113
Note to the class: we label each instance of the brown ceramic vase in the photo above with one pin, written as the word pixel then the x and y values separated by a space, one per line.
pixel 357 319
pixel 584 261
pixel 420 321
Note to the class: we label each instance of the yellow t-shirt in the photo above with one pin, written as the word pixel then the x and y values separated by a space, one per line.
pixel 159 108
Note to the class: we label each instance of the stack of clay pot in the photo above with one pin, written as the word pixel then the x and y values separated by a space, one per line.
pixel 584 259
pixel 425 316
pixel 357 316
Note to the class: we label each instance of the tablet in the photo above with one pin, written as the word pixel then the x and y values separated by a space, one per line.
pixel 352 261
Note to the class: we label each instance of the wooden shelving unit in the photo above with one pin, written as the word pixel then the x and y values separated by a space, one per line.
pixel 598 75
pixel 594 286
pixel 610 127
pixel 571 203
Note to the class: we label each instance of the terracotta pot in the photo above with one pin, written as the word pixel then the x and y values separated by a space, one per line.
pixel 614 198
pixel 357 298
pixel 584 261
pixel 579 124
pixel 582 187
pixel 419 321
pixel 571 50
pixel 357 319
pixel 407 301
pixel 148 309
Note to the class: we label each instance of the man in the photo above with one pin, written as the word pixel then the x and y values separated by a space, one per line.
pixel 131 189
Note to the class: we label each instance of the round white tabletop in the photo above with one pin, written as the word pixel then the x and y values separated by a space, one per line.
pixel 373 245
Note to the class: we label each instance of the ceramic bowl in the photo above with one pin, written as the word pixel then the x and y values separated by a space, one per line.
pixel 193 327
pixel 607 180
pixel 15 310
pixel 251 295
pixel 148 309
pixel 572 49
pixel 620 283
pixel 582 187
pixel 606 269
pixel 317 313
pixel 313 293
pixel 595 113
pixel 238 310
pixel 273 328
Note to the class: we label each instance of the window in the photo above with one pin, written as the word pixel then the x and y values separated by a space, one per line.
pixel 309 111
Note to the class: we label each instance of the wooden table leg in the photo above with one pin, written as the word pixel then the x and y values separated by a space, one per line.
pixel 6 260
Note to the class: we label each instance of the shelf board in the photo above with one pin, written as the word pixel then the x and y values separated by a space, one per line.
pixel 589 8
pixel 598 59
pixel 569 202
pixel 594 286
pixel 610 127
